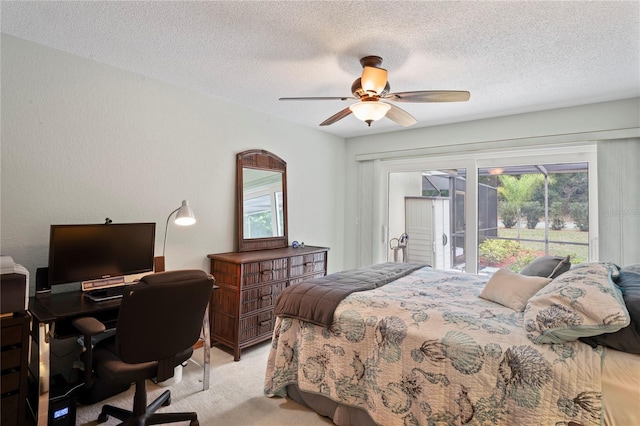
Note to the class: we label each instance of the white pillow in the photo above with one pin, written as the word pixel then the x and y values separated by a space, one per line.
pixel 511 289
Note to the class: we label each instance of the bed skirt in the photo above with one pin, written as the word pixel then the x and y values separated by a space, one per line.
pixel 342 415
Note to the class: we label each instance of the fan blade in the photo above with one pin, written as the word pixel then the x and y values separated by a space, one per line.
pixel 430 96
pixel 400 116
pixel 335 117
pixel 373 79
pixel 321 98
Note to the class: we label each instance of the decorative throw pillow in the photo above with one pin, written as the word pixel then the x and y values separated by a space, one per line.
pixel 547 266
pixel 626 339
pixel 580 303
pixel 511 289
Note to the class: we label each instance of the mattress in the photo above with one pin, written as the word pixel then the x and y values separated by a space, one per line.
pixel 621 388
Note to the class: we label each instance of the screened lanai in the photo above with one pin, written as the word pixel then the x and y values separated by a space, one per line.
pixel 523 212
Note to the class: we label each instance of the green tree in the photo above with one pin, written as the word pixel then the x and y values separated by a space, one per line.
pixel 579 213
pixel 532 211
pixel 508 214
pixel 258 225
pixel 566 188
pixel 518 191
pixel 557 216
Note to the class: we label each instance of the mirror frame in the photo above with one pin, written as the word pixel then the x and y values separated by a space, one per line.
pixel 261 160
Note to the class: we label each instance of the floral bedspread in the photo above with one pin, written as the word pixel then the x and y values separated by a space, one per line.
pixel 426 350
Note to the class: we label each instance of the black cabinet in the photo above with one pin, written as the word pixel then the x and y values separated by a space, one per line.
pixel 14 339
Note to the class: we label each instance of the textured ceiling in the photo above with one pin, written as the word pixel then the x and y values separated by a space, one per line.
pixel 513 57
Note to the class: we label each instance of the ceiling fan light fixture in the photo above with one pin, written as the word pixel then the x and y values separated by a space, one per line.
pixel 373 79
pixel 372 86
pixel 369 111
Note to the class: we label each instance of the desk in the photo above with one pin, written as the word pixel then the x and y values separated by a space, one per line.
pixel 52 316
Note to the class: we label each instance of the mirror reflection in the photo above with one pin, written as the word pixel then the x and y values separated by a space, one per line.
pixel 262 200
pixel 263 209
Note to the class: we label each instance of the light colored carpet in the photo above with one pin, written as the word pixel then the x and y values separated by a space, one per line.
pixel 234 397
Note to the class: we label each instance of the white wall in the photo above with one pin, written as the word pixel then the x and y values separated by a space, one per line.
pixel 82 141
pixel 615 122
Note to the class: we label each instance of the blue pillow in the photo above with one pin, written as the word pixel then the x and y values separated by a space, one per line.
pixel 626 339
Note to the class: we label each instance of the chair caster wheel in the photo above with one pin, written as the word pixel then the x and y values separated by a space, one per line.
pixel 194 423
pixel 103 418
pixel 167 402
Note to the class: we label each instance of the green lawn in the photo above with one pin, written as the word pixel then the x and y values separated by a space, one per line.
pixel 578 253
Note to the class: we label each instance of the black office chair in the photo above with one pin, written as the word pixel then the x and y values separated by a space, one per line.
pixel 159 321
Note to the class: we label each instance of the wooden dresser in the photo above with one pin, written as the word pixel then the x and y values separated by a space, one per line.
pixel 250 282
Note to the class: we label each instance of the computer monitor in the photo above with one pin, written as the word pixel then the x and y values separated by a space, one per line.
pixel 88 252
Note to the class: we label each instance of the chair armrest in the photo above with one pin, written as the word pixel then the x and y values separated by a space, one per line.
pixel 88 326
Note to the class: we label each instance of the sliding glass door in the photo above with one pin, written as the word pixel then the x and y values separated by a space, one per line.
pixel 426 217
pixel 483 211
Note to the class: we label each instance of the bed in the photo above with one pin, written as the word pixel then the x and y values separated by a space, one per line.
pixel 421 347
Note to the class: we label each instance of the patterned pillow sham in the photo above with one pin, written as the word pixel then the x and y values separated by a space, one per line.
pixel 580 303
pixel 626 339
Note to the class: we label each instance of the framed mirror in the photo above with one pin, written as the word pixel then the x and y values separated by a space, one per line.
pixel 262 200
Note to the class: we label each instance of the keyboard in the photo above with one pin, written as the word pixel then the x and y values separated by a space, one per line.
pixel 103 294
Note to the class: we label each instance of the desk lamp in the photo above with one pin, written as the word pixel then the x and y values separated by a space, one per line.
pixel 184 217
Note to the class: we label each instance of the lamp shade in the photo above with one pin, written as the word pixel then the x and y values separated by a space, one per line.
pixel 185 215
pixel 374 79
pixel 369 111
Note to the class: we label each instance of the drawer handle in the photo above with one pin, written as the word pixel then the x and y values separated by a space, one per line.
pixel 266 272
pixel 308 264
pixel 266 297
pixel 265 323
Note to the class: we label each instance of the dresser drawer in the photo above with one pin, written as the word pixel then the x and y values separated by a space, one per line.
pixel 10 358
pixel 256 326
pixel 10 382
pixel 10 410
pixel 11 335
pixel 298 280
pixel 265 272
pixel 258 298
pixel 308 263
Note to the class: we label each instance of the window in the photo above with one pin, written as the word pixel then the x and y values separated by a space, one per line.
pixel 530 211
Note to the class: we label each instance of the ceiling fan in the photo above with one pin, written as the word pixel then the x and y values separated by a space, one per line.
pixel 372 88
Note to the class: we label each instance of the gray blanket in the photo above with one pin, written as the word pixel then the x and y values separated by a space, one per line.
pixel 315 300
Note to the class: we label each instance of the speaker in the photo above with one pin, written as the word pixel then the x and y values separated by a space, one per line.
pixel 42 282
